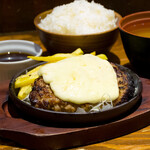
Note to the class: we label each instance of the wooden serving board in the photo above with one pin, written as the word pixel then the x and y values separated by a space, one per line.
pixel 35 136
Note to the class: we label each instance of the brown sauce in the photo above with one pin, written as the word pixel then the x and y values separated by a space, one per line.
pixel 13 56
pixel 139 28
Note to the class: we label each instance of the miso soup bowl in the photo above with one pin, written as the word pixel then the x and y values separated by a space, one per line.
pixel 56 43
pixel 136 46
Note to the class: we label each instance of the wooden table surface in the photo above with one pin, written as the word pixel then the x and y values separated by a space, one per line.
pixel 139 140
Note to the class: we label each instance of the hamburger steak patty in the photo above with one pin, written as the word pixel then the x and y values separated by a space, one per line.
pixel 42 96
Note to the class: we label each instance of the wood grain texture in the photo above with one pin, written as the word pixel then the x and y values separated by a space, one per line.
pixel 136 140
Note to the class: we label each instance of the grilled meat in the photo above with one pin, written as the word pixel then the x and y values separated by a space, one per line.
pixel 125 84
pixel 43 97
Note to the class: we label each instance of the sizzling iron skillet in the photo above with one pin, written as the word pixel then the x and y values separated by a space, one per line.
pixel 49 117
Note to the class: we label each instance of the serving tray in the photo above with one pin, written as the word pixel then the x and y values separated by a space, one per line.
pixel 39 136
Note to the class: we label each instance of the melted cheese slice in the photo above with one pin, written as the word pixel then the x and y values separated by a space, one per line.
pixel 82 79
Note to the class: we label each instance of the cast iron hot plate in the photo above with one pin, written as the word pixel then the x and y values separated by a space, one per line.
pixel 48 116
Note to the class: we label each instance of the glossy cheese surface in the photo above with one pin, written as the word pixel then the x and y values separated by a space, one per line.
pixel 82 79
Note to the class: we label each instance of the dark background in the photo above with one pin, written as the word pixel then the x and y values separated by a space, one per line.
pixel 18 15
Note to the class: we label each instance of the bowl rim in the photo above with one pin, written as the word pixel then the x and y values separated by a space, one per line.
pixel 118 16
pixel 129 16
pixel 21 61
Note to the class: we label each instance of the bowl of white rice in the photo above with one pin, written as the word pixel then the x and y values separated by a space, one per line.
pixel 79 24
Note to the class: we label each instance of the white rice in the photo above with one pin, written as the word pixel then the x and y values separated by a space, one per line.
pixel 79 17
